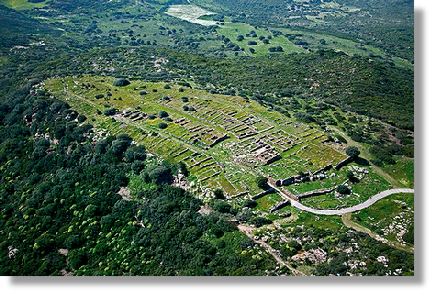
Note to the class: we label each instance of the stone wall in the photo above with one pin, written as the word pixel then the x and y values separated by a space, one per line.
pixel 344 163
pixel 268 191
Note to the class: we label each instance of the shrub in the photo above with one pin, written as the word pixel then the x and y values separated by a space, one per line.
pixel 252 43
pixel 167 87
pixel 185 108
pixel 185 99
pixel 294 244
pixel 82 118
pixel 151 117
pixel 352 151
pixel 163 114
pixel 382 155
pixel 262 182
pixel 218 193
pixel 99 96
pixel 162 125
pixel 109 112
pixel 343 189
pixel 161 174
pixel 249 203
pixel 121 82
pixel 142 93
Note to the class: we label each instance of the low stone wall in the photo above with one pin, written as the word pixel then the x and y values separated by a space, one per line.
pixel 315 192
pixel 344 163
pixel 268 191
pixel 280 206
pixel 326 168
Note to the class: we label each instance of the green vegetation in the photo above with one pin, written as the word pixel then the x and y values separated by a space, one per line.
pixel 136 136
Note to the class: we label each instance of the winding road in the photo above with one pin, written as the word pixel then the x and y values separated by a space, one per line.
pixel 358 207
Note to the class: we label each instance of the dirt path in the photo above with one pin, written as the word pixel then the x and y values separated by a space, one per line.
pixel 249 233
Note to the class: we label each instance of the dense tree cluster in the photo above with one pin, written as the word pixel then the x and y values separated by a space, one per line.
pixel 60 191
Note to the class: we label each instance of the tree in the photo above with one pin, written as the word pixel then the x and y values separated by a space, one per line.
pixel 240 38
pixel 109 112
pixel 294 244
pixel 118 147
pixel 161 174
pixel 163 114
pixel 249 203
pixel 343 189
pixel 183 169
pixel 352 151
pixel 77 258
pixel 262 182
pixel 121 82
pixel 162 125
pixel 135 153
pixel 218 193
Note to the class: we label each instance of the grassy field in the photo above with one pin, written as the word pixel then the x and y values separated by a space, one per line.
pixel 233 30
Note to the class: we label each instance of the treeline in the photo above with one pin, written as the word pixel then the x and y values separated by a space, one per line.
pixel 375 89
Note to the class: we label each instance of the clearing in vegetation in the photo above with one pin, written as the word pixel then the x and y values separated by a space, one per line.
pixel 225 141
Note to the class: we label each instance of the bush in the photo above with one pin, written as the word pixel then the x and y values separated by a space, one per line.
pixel 151 117
pixel 343 189
pixel 167 87
pixel 262 182
pixel 99 96
pixel 409 235
pixel 161 174
pixel 294 244
pixel 352 151
pixel 185 99
pixel 77 258
pixel 382 155
pixel 82 118
pixel 121 82
pixel 218 193
pixel 249 203
pixel 163 114
pixel 223 207
pixel 162 125
pixel 109 112
pixel 252 43
pixel 142 93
